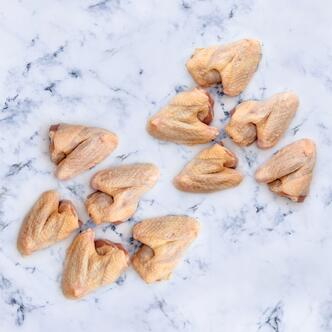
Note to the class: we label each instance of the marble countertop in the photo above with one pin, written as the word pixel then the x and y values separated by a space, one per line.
pixel 261 263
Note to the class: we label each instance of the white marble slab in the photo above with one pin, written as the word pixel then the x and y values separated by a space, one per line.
pixel 261 263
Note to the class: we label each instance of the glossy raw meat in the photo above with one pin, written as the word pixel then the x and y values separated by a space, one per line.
pixel 164 241
pixel 265 120
pixel 185 119
pixel 75 149
pixel 289 171
pixel 49 221
pixel 118 191
pixel 231 64
pixel 91 264
pixel 211 170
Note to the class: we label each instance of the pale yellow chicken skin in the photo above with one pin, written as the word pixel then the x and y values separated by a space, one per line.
pixel 118 191
pixel 164 241
pixel 185 120
pixel 264 121
pixel 288 172
pixel 232 65
pixel 48 222
pixel 211 170
pixel 75 149
pixel 91 264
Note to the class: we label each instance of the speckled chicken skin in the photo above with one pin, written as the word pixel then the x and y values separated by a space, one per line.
pixel 212 169
pixel 289 171
pixel 264 121
pixel 91 264
pixel 118 190
pixel 185 120
pixel 75 149
pixel 49 221
pixel 164 240
pixel 232 65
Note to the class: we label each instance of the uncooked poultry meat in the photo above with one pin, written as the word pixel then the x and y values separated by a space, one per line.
pixel 185 119
pixel 231 64
pixel 48 221
pixel 164 241
pixel 289 171
pixel 265 120
pixel 211 170
pixel 118 190
pixel 75 149
pixel 91 264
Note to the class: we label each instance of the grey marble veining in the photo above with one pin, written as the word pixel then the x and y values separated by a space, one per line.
pixel 261 262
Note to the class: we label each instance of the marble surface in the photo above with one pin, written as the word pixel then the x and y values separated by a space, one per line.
pixel 261 263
